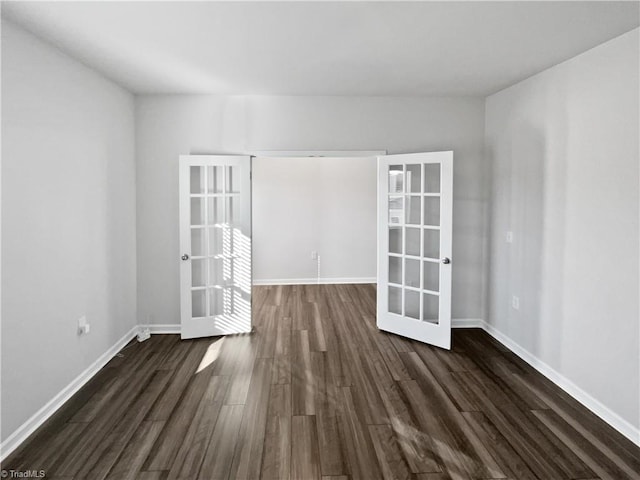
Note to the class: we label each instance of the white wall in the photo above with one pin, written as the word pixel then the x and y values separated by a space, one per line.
pixel 327 205
pixel 68 220
pixel 167 126
pixel 564 150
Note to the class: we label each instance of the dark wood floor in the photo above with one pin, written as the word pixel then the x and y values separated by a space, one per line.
pixel 318 392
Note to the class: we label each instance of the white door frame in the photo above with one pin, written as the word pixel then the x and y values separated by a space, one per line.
pixel 316 153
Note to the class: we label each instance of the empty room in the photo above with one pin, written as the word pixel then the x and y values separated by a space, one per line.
pixel 320 240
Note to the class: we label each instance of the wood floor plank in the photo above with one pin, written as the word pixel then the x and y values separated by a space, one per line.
pixel 326 408
pixel 159 475
pixel 317 391
pixel 180 378
pixel 392 462
pixel 163 455
pixel 224 439
pixel 247 460
pixel 276 461
pixel 605 467
pixel 506 457
pixel 196 441
pixel 540 456
pixel 450 459
pixel 302 384
pixel 265 332
pixel 83 452
pixel 317 341
pixel 282 353
pixel 43 458
pixel 585 423
pixel 361 460
pixel 415 443
pixel 388 353
pixel 475 458
pixel 241 351
pixel 103 458
pixel 305 459
pixel 128 465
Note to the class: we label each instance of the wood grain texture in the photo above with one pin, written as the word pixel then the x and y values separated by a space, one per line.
pixel 317 392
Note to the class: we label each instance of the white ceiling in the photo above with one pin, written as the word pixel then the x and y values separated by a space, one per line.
pixel 323 48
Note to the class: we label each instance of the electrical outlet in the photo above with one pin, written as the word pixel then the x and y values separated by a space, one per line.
pixel 314 254
pixel 83 327
pixel 509 237
pixel 515 302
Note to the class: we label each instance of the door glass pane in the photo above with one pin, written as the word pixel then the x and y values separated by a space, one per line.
pixel 215 180
pixel 241 244
pixel 395 210
pixel 395 300
pixel 241 274
pixel 216 276
pixel 215 241
pixel 413 179
pixel 233 179
pixel 228 241
pixel 227 271
pixel 395 240
pixel 215 210
pixel 432 211
pixel 197 211
pixel 198 273
pixel 431 243
pixel 412 304
pixel 198 242
pixel 413 209
pixel 432 178
pixel 430 307
pixel 412 241
pixel 395 179
pixel 241 301
pixel 412 272
pixel 216 301
pixel 196 179
pixel 228 304
pixel 198 303
pixel 431 276
pixel 395 270
pixel 233 210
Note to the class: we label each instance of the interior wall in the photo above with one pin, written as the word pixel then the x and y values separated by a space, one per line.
pixel 167 126
pixel 564 151
pixel 68 221
pixel 321 204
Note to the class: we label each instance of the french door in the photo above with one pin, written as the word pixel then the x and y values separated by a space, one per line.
pixel 414 246
pixel 215 245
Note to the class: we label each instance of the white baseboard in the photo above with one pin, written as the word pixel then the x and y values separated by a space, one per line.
pixel 313 281
pixel 467 323
pixel 14 440
pixel 602 411
pixel 162 329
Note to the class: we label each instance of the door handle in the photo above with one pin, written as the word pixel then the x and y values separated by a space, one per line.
pixel 185 257
pixel 446 260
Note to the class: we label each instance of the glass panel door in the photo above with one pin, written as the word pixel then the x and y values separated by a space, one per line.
pixel 415 220
pixel 215 237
